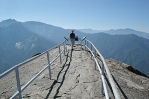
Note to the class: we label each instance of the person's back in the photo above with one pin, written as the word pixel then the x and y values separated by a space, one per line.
pixel 72 38
pixel 72 35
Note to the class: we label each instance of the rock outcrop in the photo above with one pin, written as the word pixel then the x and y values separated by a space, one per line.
pixel 75 78
pixel 130 84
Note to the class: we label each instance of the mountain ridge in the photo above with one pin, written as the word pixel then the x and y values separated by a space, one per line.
pixel 117 32
pixel 120 45
pixel 51 32
pixel 18 44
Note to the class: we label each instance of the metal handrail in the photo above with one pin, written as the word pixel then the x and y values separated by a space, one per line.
pixel 15 68
pixel 33 58
pixel 102 76
pixel 112 83
pixel 93 54
pixel 31 80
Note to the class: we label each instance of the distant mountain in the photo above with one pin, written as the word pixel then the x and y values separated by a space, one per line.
pixel 34 37
pixel 130 49
pixel 27 39
pixel 17 44
pixel 127 31
pixel 117 31
pixel 7 22
pixel 53 33
pixel 90 31
pixel 45 30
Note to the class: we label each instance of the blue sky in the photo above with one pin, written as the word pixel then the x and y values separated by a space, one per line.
pixel 78 14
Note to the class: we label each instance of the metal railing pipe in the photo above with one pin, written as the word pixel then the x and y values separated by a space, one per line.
pixel 32 79
pixel 26 61
pixel 40 72
pixel 18 83
pixel 114 88
pixel 95 56
pixel 60 54
pixel 91 50
pixel 102 77
pixel 64 47
pixel 49 64
pixel 85 43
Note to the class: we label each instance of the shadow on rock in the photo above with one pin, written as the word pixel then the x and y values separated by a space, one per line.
pixel 66 65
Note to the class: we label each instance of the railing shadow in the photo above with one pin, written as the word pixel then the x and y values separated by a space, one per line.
pixel 120 89
pixel 63 77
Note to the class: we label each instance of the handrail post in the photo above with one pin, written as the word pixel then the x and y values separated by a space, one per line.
pixel 91 51
pixel 60 55
pixel 102 73
pixel 81 44
pixel 64 47
pixel 49 64
pixel 18 83
pixel 85 45
pixel 91 47
pixel 95 57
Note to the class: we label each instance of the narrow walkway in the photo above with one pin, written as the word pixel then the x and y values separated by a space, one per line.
pixel 75 78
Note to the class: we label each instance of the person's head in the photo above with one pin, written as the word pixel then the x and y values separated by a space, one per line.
pixel 72 31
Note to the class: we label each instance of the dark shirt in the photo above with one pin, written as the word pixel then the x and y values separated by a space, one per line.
pixel 72 36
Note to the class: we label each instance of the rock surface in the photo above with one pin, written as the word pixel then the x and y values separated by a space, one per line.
pixel 131 85
pixel 75 78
